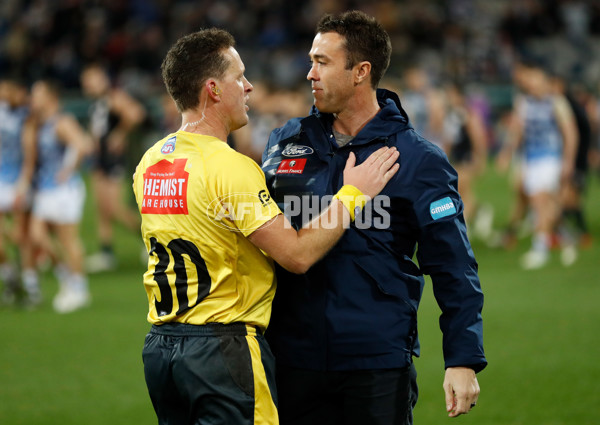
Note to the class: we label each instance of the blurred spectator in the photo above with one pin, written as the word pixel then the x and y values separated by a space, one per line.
pixel 471 39
pixel 576 17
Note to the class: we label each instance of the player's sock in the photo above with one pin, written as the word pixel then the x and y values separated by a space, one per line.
pixel 8 272
pixel 31 284
pixel 10 278
pixel 537 256
pixel 106 248
pixel 102 260
pixel 77 282
pixel 541 243
pixel 61 272
pixel 74 294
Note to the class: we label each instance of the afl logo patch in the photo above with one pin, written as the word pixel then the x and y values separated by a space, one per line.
pixel 169 146
pixel 296 150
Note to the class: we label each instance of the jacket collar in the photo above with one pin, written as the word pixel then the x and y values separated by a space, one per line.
pixel 389 120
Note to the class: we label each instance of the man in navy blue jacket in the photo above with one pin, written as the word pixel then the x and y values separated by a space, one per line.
pixel 345 332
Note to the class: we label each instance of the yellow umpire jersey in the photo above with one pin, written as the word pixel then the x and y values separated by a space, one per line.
pixel 199 200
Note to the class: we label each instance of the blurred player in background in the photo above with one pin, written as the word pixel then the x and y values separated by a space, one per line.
pixel 59 195
pixel 113 116
pixel 15 175
pixel 508 239
pixel 424 104
pixel 467 148
pixel 574 223
pixel 591 99
pixel 544 126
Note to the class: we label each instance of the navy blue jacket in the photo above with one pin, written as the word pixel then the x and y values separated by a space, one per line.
pixel 357 307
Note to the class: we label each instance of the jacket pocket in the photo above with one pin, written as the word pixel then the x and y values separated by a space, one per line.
pixel 392 281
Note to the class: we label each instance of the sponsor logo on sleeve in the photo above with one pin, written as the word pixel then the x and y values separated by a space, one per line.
pixel 291 166
pixel 242 211
pixel 296 150
pixel 442 208
pixel 169 145
pixel 264 196
pixel 165 188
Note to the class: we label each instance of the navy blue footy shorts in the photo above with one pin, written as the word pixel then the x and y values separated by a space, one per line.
pixel 211 374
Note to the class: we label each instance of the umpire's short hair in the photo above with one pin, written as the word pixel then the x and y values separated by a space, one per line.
pixel 191 61
pixel 366 40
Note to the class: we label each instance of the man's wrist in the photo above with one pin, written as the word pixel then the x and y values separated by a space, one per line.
pixel 352 198
pixel 476 367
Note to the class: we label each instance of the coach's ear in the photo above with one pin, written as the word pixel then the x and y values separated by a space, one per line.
pixel 362 72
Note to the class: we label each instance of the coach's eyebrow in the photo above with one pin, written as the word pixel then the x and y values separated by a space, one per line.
pixel 317 56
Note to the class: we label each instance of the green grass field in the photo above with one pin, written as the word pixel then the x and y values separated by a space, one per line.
pixel 542 340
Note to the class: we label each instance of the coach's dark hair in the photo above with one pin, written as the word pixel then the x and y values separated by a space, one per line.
pixel 366 40
pixel 191 61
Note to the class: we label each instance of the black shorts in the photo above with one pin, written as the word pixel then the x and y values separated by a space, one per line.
pixel 211 374
pixel 355 397
pixel 109 164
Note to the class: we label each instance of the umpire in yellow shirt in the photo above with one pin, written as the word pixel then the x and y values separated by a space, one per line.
pixel 212 230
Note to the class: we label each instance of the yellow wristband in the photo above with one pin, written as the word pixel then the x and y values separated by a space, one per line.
pixel 352 198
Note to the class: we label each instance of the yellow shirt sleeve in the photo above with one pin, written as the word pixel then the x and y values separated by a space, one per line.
pixel 242 200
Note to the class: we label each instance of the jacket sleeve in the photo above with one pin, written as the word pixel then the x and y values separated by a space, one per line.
pixel 444 253
pixel 269 146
